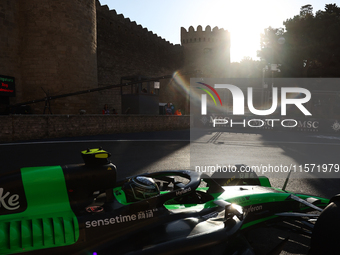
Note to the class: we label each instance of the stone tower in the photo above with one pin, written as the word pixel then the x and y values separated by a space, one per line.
pixel 207 52
pixel 51 45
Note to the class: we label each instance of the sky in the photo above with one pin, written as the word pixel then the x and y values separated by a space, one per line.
pixel 245 20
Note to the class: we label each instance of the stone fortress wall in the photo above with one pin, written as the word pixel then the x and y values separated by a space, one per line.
pixel 128 49
pixel 9 40
pixel 66 46
pixel 53 47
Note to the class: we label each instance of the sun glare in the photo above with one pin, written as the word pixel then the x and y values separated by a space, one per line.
pixel 245 21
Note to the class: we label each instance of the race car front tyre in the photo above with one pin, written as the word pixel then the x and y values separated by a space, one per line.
pixel 326 232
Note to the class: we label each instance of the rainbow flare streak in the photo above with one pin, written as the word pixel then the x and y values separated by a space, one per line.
pixel 206 91
pixel 210 93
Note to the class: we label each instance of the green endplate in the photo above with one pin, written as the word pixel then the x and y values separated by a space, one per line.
pixel 48 220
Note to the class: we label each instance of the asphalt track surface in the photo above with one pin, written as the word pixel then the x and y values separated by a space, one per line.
pixel 156 151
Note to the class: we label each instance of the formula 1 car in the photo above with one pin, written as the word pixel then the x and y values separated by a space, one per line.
pixel 83 209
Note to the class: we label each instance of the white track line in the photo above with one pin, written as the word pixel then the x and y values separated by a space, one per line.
pixel 225 143
pixel 89 141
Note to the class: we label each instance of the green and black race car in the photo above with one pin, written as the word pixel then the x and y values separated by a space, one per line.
pixel 83 209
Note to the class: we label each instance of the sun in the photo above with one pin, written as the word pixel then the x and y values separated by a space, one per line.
pixel 245 21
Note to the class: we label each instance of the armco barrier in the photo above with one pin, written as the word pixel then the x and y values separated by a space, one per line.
pixel 28 127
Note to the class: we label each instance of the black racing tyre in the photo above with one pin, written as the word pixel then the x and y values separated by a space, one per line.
pixel 326 232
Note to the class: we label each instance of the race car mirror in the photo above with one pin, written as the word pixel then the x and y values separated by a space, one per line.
pixel 231 210
pixel 234 210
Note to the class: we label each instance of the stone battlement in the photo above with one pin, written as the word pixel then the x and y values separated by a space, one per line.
pixel 129 26
pixel 212 36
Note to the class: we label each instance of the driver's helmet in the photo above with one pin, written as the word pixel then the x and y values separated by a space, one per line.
pixel 140 188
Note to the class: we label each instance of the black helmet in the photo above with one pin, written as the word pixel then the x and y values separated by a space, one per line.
pixel 140 188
